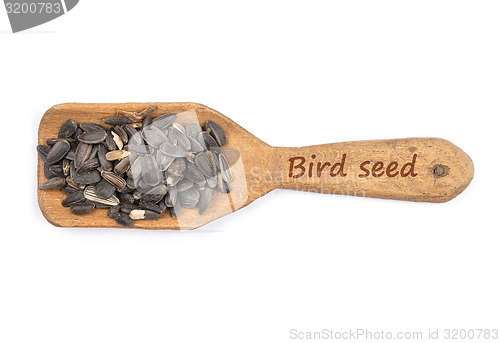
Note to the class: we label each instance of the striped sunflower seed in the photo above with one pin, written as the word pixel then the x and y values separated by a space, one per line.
pixel 116 180
pixel 91 194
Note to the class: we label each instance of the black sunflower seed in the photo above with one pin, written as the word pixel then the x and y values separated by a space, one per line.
pixel 54 183
pixel 88 178
pixel 73 198
pixel 42 151
pixel 93 137
pixel 68 129
pixel 104 189
pixel 117 121
pixel 82 153
pixel 82 208
pixel 216 132
pixel 122 219
pixel 58 151
pixel 91 127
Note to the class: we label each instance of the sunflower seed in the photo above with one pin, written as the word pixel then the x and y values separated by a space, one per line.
pixel 136 168
pixel 150 173
pixel 205 196
pixel 143 214
pixel 208 140
pixel 93 137
pixel 172 150
pixel 71 154
pixel 83 151
pixel 42 151
pixel 164 120
pixel 182 140
pixel 69 190
pixel 193 129
pixel 140 149
pixel 67 129
pixel 155 194
pixel 91 127
pixel 122 166
pixel 104 189
pixel 123 220
pixel 126 198
pixel 149 205
pixel 202 161
pixel 54 183
pixel 82 208
pixel 117 154
pixel 117 121
pixel 109 142
pixel 164 161
pixel 47 172
pixel 173 211
pixel 116 180
pixel 153 138
pixel 193 174
pixel 171 198
pixel 73 198
pixel 65 167
pixel 73 184
pixel 184 185
pixel 55 170
pixel 127 208
pixel 91 194
pixel 118 141
pixel 57 152
pixel 189 198
pixel 179 127
pixel 88 165
pixel 133 135
pixel 88 178
pixel 195 145
pixel 101 155
pixel 224 168
pixel 121 133
pixel 216 132
pixel 177 167
pixel 113 210
pixel 212 182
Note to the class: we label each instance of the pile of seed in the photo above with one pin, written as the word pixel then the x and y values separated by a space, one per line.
pixel 135 166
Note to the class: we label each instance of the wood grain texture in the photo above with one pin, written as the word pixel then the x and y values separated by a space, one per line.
pixel 260 168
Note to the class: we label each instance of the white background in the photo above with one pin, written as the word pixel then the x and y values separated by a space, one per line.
pixel 293 73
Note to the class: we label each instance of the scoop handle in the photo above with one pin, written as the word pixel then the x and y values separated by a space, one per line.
pixel 413 169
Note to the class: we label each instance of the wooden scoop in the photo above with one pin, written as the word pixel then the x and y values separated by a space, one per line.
pixel 413 169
